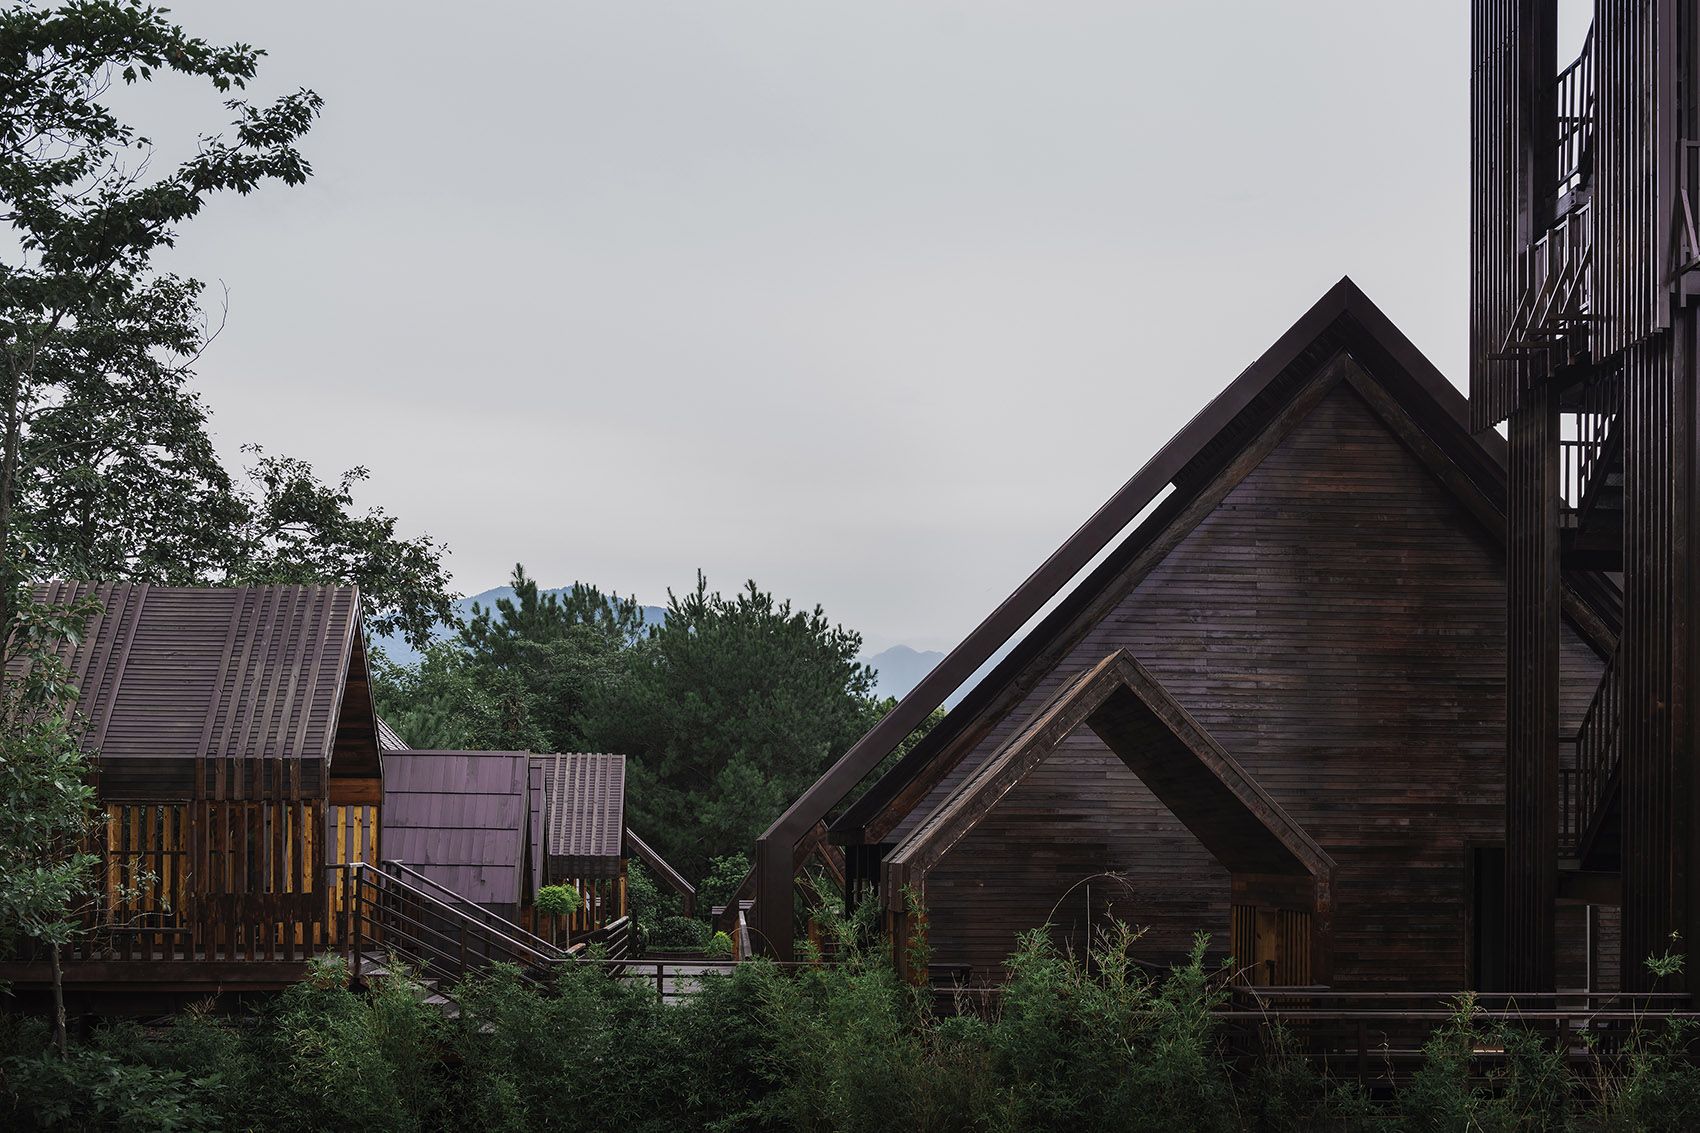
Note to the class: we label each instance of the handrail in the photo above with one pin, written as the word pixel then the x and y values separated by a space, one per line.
pixel 1598 751
pixel 472 909
pixel 547 951
pixel 667 873
pixel 375 906
pixel 1575 106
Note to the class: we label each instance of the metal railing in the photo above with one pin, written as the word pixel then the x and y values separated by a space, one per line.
pixel 1575 98
pixel 401 870
pixel 1598 751
pixel 385 912
pixel 1379 1036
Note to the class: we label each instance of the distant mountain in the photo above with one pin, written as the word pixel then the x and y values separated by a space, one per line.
pixel 901 669
pixel 397 649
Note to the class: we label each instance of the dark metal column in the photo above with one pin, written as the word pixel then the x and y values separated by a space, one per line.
pixel 1531 700
pixel 1656 771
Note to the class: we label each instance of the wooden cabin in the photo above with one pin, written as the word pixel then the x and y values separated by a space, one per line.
pixel 1585 349
pixel 238 769
pixel 1275 710
pixel 579 815
pixel 495 827
pixel 463 819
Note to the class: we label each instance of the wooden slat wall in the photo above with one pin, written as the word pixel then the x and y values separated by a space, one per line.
pixel 1532 690
pixel 1635 162
pixel 353 837
pixel 1513 162
pixel 1657 758
pixel 1293 968
pixel 232 880
pixel 145 882
pixel 1338 625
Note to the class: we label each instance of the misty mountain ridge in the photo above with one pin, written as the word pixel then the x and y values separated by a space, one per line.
pixel 900 668
pixel 397 649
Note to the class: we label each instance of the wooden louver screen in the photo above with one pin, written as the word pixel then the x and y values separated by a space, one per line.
pixel 1272 947
pixel 231 880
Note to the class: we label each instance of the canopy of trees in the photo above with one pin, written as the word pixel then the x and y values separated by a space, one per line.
pixel 728 709
pixel 106 469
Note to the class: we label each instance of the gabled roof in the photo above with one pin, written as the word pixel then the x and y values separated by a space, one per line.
pixel 1387 369
pixel 184 673
pixel 459 818
pixel 388 740
pixel 583 813
pixel 1188 771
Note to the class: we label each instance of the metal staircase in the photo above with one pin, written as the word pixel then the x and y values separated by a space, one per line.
pixel 1591 476
pixel 390 910
pixel 1590 795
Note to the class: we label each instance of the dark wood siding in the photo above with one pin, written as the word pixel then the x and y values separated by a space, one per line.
pixel 1634 196
pixel 1658 782
pixel 1505 41
pixel 175 679
pixel 1337 624
pixel 1042 853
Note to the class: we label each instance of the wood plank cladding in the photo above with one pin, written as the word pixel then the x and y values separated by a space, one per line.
pixel 243 685
pixel 1657 776
pixel 1634 197
pixel 1512 163
pixel 1336 622
pixel 1532 599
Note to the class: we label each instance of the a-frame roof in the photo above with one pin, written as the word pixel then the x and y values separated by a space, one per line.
pixel 459 817
pixel 1411 397
pixel 583 813
pixel 1390 371
pixel 1192 774
pixel 212 673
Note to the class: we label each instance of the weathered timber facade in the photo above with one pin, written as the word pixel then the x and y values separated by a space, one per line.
pixel 1319 597
pixel 1583 347
pixel 462 818
pixel 238 770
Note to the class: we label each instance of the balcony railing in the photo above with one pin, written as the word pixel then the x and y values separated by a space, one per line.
pixel 1576 120
pixel 1587 443
pixel 1587 787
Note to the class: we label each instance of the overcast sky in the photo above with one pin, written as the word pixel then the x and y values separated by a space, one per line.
pixel 872 302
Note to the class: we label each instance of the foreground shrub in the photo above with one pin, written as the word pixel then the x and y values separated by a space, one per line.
pixel 855 1049
pixel 1488 1075
pixel 679 934
pixel 840 1046
pixel 96 1089
pixel 1115 1049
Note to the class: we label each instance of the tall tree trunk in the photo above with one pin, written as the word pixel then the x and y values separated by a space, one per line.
pixel 9 458
pixel 58 1004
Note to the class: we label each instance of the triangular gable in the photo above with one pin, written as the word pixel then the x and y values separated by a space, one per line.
pixel 1344 337
pixel 245 682
pixel 1147 728
pixel 1191 774
pixel 1409 413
